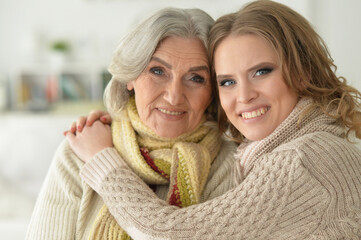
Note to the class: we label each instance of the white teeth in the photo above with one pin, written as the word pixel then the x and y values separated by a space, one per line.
pixel 169 112
pixel 253 114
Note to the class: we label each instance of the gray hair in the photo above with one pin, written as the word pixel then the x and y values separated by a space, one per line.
pixel 136 49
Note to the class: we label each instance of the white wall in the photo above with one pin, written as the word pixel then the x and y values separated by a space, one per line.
pixel 339 23
pixel 94 26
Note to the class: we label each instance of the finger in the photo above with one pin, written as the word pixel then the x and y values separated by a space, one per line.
pixel 94 116
pixel 80 123
pixel 106 119
pixel 68 131
pixel 72 128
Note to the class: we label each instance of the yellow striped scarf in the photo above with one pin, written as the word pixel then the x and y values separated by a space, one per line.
pixel 183 163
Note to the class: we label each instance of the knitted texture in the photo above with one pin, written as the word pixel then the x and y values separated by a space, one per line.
pixel 66 207
pixel 57 214
pixel 183 163
pixel 301 182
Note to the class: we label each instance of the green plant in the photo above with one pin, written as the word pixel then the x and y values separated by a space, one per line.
pixel 60 46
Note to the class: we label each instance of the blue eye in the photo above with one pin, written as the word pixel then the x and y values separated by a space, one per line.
pixel 157 71
pixel 263 71
pixel 197 79
pixel 226 82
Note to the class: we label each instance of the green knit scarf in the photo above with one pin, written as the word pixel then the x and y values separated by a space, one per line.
pixel 183 163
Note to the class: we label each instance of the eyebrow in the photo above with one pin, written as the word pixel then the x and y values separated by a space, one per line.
pixel 192 69
pixel 162 62
pixel 224 76
pixel 198 68
pixel 260 65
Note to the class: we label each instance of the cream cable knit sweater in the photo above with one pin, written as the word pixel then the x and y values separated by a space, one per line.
pixel 298 183
pixel 66 207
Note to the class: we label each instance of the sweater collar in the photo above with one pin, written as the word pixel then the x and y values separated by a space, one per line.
pixel 291 128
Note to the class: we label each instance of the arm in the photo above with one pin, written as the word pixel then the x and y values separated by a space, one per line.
pixel 260 207
pixel 56 210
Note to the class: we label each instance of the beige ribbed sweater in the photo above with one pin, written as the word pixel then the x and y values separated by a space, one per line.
pixel 66 207
pixel 298 183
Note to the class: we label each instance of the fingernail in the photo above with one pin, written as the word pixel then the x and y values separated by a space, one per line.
pixel 103 118
pixel 87 123
pixel 79 128
pixel 72 129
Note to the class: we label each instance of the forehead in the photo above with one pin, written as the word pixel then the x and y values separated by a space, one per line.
pixel 245 50
pixel 173 47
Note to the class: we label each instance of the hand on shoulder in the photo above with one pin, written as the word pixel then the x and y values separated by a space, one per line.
pixel 93 116
pixel 93 139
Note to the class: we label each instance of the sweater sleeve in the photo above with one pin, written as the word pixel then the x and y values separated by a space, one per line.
pixel 57 206
pixel 277 200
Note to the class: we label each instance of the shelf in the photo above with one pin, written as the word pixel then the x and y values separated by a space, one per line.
pixel 39 87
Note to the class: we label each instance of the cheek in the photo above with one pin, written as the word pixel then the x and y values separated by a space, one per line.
pixel 139 105
pixel 201 100
pixel 208 99
pixel 290 101
pixel 145 95
pixel 287 100
pixel 143 101
pixel 225 101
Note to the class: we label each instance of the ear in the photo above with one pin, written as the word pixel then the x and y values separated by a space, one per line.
pixel 130 85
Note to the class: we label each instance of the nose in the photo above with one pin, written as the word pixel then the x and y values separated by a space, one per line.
pixel 174 92
pixel 246 92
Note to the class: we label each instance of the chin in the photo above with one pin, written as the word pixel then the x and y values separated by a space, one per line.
pixel 257 137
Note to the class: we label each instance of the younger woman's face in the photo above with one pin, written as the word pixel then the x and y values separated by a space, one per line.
pixel 251 87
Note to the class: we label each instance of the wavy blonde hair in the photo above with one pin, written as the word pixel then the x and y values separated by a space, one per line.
pixel 306 63
pixel 136 49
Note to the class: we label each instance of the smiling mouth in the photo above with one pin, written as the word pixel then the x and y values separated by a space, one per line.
pixel 254 114
pixel 173 113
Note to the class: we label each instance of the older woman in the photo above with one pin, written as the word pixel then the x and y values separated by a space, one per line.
pixel 160 98
pixel 298 175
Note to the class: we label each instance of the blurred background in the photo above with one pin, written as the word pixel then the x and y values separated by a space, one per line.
pixel 53 60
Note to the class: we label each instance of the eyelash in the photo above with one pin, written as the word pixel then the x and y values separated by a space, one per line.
pixel 260 72
pixel 226 82
pixel 264 70
pixel 196 78
pixel 154 71
pixel 199 79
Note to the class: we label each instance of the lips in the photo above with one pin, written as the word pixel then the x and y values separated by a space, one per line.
pixel 173 113
pixel 255 113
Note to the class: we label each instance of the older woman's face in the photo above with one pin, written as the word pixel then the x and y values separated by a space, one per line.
pixel 174 90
